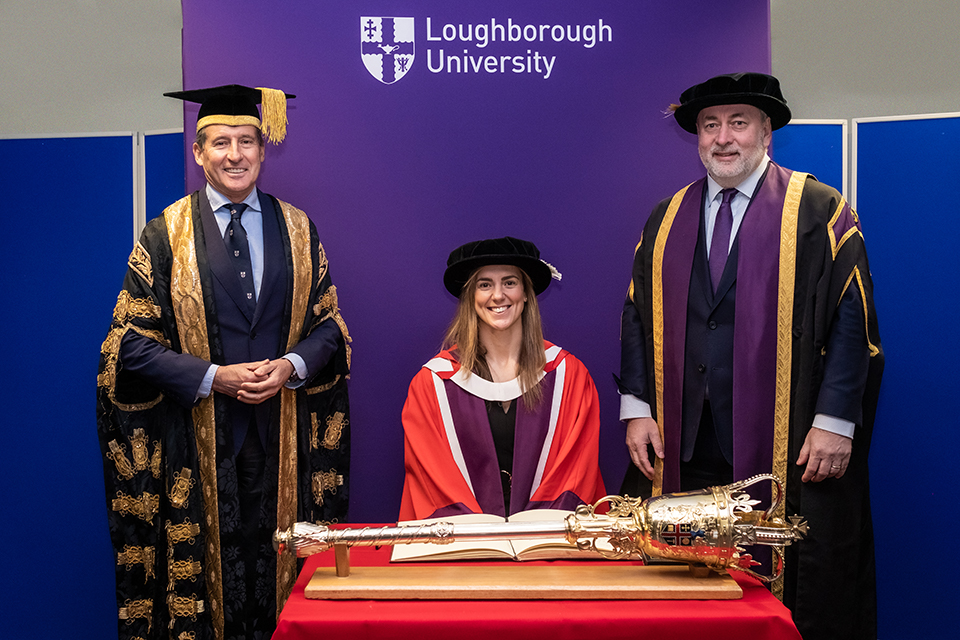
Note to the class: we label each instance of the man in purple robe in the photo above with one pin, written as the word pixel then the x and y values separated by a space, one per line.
pixel 750 345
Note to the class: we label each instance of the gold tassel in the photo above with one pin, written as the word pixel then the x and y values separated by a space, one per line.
pixel 273 116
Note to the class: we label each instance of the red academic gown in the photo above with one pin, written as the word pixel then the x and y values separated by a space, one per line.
pixel 451 464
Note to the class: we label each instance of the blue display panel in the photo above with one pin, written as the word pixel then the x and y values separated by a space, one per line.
pixel 67 229
pixel 813 147
pixel 165 171
pixel 906 176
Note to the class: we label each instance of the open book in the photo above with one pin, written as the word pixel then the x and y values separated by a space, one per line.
pixel 528 549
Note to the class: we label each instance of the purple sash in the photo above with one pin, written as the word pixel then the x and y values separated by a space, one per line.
pixel 756 325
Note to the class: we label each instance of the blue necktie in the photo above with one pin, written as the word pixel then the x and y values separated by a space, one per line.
pixel 235 239
pixel 720 245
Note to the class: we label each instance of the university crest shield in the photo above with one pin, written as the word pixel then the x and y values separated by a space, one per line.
pixel 387 47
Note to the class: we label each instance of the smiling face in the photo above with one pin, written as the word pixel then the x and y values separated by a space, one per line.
pixel 499 297
pixel 732 139
pixel 230 158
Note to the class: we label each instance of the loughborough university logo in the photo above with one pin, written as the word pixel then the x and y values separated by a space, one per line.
pixel 386 47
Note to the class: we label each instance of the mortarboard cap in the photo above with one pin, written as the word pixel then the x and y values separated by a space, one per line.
pixel 757 89
pixel 466 259
pixel 235 105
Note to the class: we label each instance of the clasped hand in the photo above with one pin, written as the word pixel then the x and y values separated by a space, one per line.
pixel 252 382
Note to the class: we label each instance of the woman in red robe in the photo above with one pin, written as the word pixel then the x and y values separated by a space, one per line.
pixel 500 421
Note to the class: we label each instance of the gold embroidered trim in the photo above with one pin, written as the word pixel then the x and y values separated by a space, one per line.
pixel 180 491
pixel 130 408
pixel 185 532
pixel 347 340
pixel 110 349
pixel 131 556
pixel 874 350
pixel 139 261
pixel 128 307
pixel 333 304
pixel 155 461
pixel 187 635
pixel 852 231
pixel 184 607
pixel 153 334
pixel 322 265
pixel 325 481
pixel 111 344
pixel 333 433
pixel 119 457
pixel 328 307
pixel 144 507
pixel 659 248
pixel 298 230
pixel 138 444
pixel 830 225
pixel 179 570
pixel 787 289
pixel 137 609
pixel 324 387
pixel 328 303
pixel 190 313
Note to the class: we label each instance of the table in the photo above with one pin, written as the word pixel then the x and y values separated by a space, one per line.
pixel 757 615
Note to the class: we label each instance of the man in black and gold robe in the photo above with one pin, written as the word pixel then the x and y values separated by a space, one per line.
pixel 750 345
pixel 222 400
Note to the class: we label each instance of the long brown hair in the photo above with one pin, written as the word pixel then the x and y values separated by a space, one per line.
pixel 464 334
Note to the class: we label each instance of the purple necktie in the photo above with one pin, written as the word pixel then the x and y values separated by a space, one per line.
pixel 720 245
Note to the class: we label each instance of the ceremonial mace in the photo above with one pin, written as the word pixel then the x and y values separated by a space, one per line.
pixel 709 527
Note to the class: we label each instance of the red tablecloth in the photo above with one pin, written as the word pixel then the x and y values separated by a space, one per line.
pixel 757 615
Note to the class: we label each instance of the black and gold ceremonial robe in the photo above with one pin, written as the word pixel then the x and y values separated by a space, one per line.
pixel 169 463
pixel 801 265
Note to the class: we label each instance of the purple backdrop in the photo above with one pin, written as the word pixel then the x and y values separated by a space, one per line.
pixel 553 141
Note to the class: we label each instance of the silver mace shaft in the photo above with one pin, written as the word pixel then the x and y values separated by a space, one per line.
pixel 709 527
pixel 305 539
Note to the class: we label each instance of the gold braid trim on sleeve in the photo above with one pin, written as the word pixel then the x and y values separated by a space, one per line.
pixel 128 308
pixel 324 387
pixel 874 350
pixel 139 261
pixel 835 244
pixel 328 306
